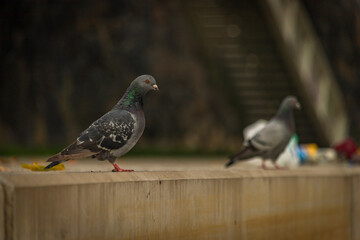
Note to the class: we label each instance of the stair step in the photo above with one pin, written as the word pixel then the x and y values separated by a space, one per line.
pixel 242 42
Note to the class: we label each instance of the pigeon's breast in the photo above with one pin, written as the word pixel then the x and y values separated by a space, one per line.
pixel 138 131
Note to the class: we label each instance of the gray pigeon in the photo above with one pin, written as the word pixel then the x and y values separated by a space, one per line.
pixel 272 140
pixel 116 132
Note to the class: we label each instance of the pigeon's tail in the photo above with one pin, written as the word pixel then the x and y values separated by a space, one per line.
pixel 55 160
pixel 52 164
pixel 71 152
pixel 245 153
pixel 229 163
pixel 61 158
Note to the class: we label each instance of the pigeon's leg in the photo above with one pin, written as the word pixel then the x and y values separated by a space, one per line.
pixel 263 165
pixel 118 169
pixel 279 168
pixel 112 159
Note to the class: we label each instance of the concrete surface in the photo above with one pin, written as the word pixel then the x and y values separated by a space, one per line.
pixel 207 202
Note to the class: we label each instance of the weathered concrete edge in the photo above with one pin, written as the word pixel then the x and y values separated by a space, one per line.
pixel 355 207
pixel 6 206
pixel 41 179
pixel 12 181
pixel 2 212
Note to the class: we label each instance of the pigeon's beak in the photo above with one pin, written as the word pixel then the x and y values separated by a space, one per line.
pixel 298 106
pixel 156 87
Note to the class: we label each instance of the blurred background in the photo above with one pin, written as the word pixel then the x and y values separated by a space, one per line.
pixel 220 66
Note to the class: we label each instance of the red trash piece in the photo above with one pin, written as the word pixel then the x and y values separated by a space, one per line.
pixel 348 148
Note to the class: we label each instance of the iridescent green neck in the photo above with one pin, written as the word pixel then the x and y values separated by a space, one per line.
pixel 131 99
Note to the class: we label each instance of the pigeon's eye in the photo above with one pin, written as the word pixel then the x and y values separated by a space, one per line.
pixel 147 81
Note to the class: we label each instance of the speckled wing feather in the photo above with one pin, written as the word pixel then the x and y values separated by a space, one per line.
pixel 110 132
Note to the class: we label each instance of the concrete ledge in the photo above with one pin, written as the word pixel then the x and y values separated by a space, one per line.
pixel 313 203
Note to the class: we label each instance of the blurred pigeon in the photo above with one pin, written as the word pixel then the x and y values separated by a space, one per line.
pixel 271 140
pixel 116 132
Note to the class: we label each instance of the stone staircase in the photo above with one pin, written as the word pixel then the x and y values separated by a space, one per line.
pixel 238 36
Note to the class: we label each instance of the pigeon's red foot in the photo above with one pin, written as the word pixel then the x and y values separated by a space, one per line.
pixel 263 165
pixel 279 168
pixel 118 169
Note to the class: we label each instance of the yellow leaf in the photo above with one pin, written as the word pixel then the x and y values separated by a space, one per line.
pixel 36 167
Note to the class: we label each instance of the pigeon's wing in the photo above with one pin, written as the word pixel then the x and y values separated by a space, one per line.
pixel 269 138
pixel 265 141
pixel 113 131
pixel 109 132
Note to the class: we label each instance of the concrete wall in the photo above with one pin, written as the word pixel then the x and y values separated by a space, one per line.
pixel 236 204
pixel 356 208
